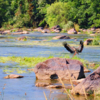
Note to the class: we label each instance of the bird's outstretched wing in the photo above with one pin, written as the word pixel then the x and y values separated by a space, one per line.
pixel 69 48
pixel 81 46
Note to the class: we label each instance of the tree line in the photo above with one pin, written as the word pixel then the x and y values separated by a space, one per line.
pixel 48 13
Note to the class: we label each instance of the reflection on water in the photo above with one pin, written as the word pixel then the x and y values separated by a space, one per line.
pixel 24 88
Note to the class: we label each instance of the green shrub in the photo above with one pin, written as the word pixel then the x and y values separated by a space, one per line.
pixel 76 26
pixel 42 23
pixel 69 25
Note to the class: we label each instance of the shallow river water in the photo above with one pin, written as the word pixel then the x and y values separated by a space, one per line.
pixel 24 88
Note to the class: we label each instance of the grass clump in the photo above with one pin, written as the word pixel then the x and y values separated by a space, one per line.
pixel 32 61
pixel 95 42
pixel 22 63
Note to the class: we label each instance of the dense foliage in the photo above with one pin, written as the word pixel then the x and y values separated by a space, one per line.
pixel 34 13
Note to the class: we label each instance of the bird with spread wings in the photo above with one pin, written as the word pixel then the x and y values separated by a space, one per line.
pixel 73 49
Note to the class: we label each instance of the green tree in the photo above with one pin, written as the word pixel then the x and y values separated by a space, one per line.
pixel 57 14
pixel 3 10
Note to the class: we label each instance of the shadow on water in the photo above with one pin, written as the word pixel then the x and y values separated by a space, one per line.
pixel 25 89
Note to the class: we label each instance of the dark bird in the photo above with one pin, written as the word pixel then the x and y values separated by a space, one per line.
pixel 73 49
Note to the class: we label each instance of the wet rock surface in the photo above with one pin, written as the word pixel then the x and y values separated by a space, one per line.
pixel 41 84
pixel 61 37
pixel 59 67
pixel 12 76
pixel 90 84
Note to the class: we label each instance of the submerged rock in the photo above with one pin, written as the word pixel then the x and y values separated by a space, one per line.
pixel 54 86
pixel 11 76
pixel 61 37
pixel 22 38
pixel 90 84
pixel 41 84
pixel 59 67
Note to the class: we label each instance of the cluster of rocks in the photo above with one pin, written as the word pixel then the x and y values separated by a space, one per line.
pixel 67 69
pixel 18 32
pixel 90 84
pixel 56 29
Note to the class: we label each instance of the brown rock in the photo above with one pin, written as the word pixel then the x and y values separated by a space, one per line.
pixel 31 69
pixel 54 86
pixel 41 84
pixel 88 41
pixel 61 37
pixel 58 86
pixel 77 81
pixel 86 70
pixel 38 29
pixel 45 31
pixel 17 33
pixel 11 76
pixel 25 32
pixel 22 38
pixel 59 67
pixel 91 83
pixel 93 28
pixel 72 31
pixel 56 29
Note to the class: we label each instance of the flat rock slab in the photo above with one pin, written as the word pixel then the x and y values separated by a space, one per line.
pixel 90 84
pixel 12 76
pixel 59 67
pixel 41 84
pixel 61 37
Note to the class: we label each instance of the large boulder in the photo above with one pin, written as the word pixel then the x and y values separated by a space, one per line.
pixel 89 85
pixel 59 67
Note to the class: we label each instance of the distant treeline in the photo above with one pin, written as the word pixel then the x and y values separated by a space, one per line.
pixel 48 13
